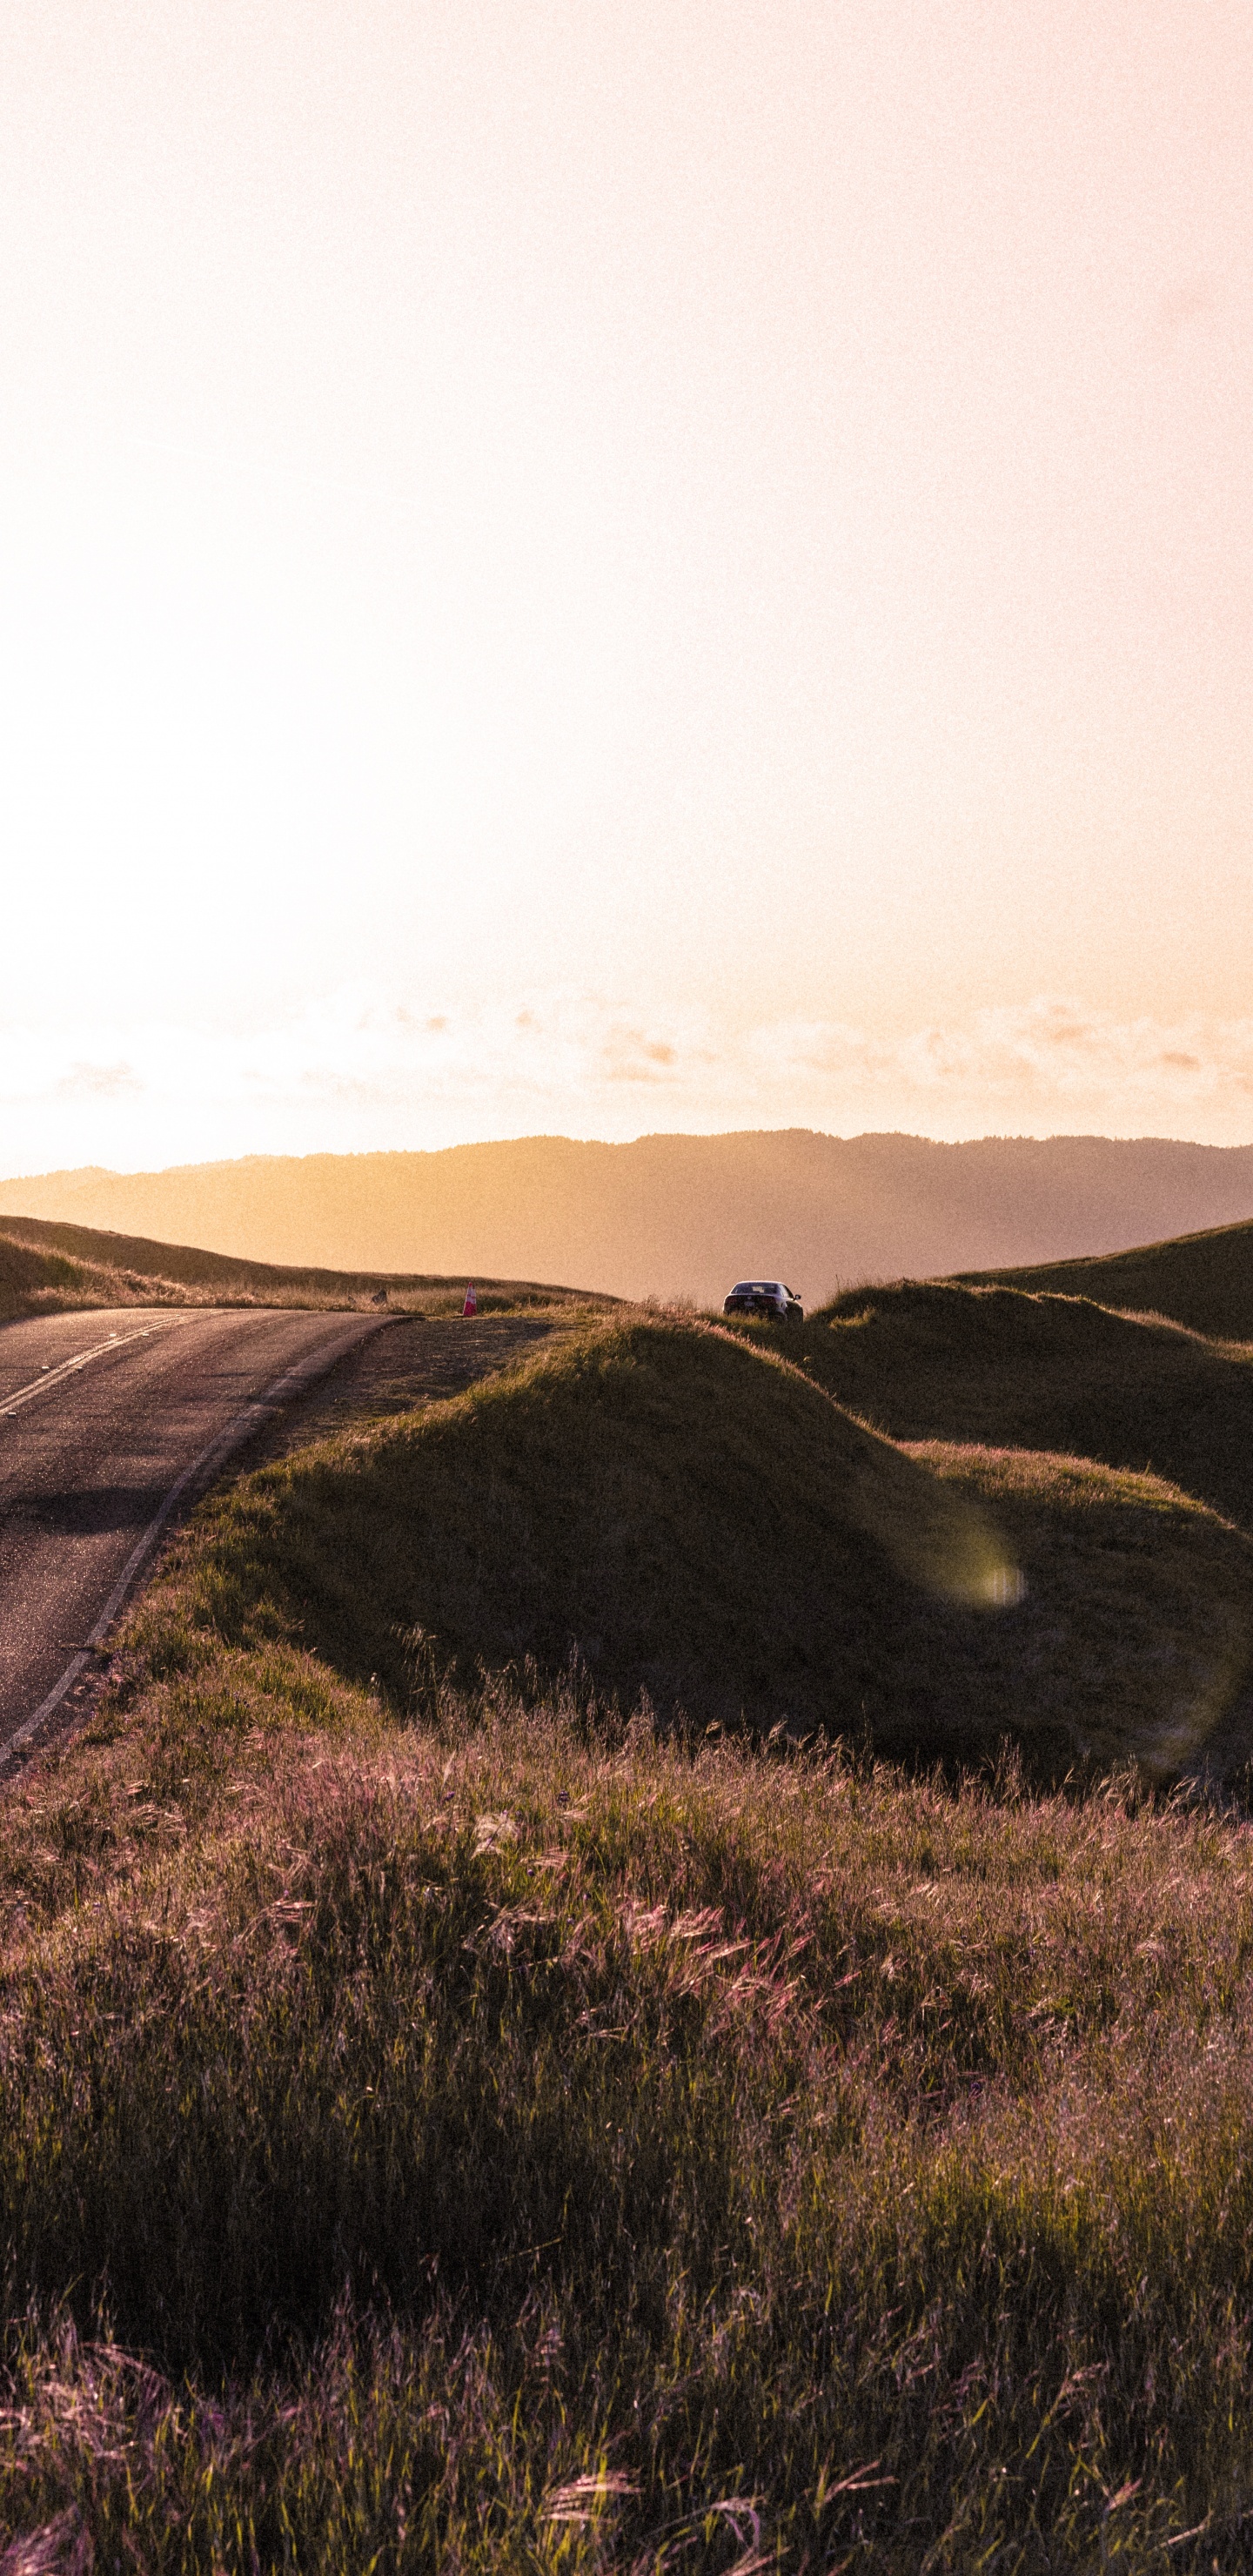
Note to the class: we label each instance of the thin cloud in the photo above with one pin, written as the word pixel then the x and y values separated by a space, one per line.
pixel 104 1081
pixel 1044 1058
pixel 367 1069
pixel 628 1055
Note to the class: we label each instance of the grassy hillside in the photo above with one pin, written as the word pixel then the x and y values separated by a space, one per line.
pixel 693 1520
pixel 513 2141
pixel 44 1265
pixel 675 1215
pixel 937 1361
pixel 1205 1280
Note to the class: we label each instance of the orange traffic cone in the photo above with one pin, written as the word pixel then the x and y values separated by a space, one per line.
pixel 471 1306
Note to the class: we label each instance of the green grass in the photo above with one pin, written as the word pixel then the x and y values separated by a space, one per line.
pixel 1205 1280
pixel 1012 1369
pixel 48 1267
pixel 518 2142
pixel 680 1517
pixel 1135 1638
pixel 672 1514
pixel 460 2116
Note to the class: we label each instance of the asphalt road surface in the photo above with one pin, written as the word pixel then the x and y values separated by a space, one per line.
pixel 108 1423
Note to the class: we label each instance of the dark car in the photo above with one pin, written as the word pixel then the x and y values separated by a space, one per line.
pixel 764 1297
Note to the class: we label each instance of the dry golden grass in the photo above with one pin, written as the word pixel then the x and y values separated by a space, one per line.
pixel 513 2140
pixel 687 1517
pixel 51 1268
pixel 937 1361
pixel 472 2120
pixel 1204 1280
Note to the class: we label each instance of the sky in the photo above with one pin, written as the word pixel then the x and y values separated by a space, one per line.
pixel 592 568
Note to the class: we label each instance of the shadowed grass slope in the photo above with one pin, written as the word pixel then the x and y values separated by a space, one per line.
pixel 1205 1280
pixel 936 1361
pixel 31 1277
pixel 685 1517
pixel 512 2144
pixel 515 2140
pixel 678 1515
pixel 1136 1633
pixel 46 1266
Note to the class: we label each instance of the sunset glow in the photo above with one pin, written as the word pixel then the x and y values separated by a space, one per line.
pixel 597 570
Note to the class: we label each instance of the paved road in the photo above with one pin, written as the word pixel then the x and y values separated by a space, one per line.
pixel 101 1415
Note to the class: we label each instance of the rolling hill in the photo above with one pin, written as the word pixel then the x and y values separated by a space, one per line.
pixel 1205 1280
pixel 45 1266
pixel 653 1507
pixel 1001 1367
pixel 674 1215
pixel 431 2045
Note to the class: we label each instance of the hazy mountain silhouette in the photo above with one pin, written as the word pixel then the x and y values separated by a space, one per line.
pixel 675 1214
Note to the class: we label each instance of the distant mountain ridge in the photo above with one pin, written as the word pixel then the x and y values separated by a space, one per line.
pixel 675 1215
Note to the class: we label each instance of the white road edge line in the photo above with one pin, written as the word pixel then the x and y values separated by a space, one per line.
pixel 239 1430
pixel 50 1377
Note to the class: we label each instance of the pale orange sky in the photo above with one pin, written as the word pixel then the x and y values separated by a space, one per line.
pixel 615 567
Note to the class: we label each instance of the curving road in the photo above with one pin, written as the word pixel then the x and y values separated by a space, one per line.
pixel 109 1424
